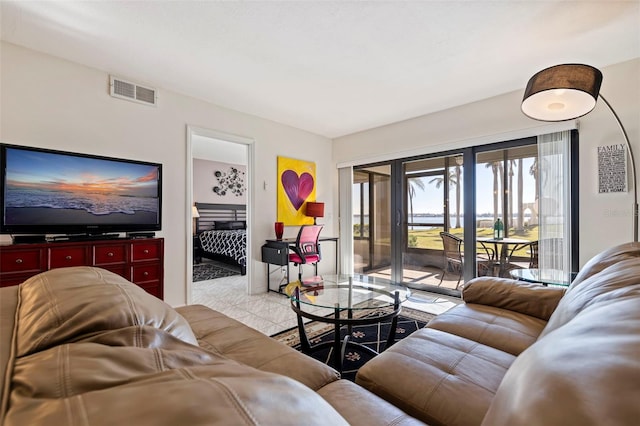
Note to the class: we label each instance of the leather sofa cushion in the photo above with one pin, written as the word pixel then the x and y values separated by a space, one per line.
pixel 361 407
pixel 586 372
pixel 70 304
pixel 437 377
pixel 8 306
pixel 502 329
pixel 606 258
pixel 97 384
pixel 617 282
pixel 96 351
pixel 518 296
pixel 225 336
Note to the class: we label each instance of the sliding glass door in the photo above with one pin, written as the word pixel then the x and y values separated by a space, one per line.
pixel 507 191
pixel 433 192
pixel 372 219
pixel 402 208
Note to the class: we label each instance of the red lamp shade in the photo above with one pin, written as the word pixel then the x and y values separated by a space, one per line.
pixel 314 210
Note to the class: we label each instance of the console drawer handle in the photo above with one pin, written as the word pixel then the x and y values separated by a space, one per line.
pixel 110 254
pixel 68 257
pixel 18 260
pixel 145 273
pixel 145 251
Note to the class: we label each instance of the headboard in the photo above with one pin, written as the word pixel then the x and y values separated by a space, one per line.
pixel 209 213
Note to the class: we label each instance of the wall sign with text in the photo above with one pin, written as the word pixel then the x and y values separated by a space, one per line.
pixel 612 168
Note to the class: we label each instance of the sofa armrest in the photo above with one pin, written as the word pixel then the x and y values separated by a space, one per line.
pixel 526 298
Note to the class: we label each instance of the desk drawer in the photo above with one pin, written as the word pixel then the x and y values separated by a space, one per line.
pixel 275 255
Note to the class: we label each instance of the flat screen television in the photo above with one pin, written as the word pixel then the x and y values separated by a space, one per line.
pixel 55 192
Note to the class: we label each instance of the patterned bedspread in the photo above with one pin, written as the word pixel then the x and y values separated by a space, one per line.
pixel 232 243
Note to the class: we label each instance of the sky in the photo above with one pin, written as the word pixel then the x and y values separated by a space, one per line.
pixel 60 172
pixel 430 200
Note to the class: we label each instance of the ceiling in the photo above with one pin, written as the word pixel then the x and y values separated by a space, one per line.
pixel 212 149
pixel 329 67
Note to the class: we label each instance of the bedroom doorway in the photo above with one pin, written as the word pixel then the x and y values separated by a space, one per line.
pixel 219 167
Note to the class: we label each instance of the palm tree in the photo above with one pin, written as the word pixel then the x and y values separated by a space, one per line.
pixel 413 184
pixel 458 171
pixel 497 169
pixel 439 181
pixel 520 225
pixel 533 171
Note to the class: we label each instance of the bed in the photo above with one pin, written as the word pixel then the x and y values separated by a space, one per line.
pixel 221 229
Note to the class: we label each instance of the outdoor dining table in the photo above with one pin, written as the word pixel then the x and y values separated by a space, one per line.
pixel 503 253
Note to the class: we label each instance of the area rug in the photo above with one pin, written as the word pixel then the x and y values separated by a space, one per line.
pixel 210 271
pixel 373 336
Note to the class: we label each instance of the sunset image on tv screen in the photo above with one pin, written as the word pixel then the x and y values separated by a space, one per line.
pixel 67 189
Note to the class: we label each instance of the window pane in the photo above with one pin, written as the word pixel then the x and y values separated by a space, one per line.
pixel 506 189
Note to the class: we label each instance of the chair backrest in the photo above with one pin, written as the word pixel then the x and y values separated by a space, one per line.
pixel 452 246
pixel 307 240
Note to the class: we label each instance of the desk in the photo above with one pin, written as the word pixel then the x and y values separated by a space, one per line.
pixel 276 252
pixel 504 252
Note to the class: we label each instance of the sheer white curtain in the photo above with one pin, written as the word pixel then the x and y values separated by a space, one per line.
pixel 345 184
pixel 554 202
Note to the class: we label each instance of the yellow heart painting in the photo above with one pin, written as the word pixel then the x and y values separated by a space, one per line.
pixel 296 186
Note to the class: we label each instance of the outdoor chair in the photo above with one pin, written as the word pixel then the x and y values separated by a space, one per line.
pixel 307 248
pixel 454 257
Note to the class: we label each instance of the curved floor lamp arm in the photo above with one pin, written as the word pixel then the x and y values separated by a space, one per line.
pixel 633 170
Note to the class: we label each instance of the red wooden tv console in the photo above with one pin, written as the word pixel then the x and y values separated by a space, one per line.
pixel 140 260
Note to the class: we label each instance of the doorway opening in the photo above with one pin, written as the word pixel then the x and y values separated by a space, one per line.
pixel 219 168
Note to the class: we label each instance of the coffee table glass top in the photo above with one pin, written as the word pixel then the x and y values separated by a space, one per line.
pixel 544 276
pixel 347 292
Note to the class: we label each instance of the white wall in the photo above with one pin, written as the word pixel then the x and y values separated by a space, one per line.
pixel 204 180
pixel 52 103
pixel 605 219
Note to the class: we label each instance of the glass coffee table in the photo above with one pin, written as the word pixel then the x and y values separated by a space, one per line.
pixel 346 300
pixel 546 277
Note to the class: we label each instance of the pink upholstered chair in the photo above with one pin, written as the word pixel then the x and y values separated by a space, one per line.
pixel 307 249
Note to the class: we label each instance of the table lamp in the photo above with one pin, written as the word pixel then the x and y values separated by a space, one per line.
pixel 568 91
pixel 314 210
pixel 195 215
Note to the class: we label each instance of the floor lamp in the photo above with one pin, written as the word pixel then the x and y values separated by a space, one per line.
pixel 568 91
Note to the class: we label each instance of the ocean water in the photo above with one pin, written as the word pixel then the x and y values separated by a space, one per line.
pixel 431 220
pixel 96 204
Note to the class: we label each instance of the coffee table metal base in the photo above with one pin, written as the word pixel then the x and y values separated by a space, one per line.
pixel 340 345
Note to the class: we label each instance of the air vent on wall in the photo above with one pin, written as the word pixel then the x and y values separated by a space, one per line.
pixel 123 89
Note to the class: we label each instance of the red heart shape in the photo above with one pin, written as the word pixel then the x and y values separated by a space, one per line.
pixel 297 188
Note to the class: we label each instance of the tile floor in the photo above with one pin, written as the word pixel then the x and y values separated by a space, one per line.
pixel 271 313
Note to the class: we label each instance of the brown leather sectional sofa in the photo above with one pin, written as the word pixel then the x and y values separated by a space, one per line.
pixel 83 346
pixel 523 354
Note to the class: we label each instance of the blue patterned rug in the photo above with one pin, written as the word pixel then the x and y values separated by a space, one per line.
pixel 373 336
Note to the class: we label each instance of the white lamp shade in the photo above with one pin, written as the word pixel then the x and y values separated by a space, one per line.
pixel 194 212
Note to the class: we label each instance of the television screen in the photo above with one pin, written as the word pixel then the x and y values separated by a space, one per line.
pixel 45 191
